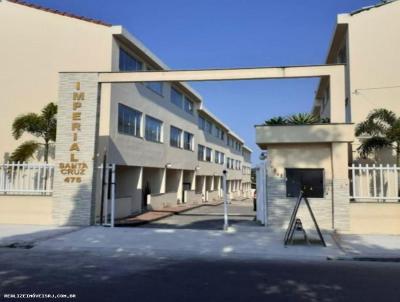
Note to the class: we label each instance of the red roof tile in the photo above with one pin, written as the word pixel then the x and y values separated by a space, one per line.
pixel 54 11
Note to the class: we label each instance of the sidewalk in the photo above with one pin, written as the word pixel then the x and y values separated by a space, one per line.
pixel 244 243
pixel 25 235
pixel 370 246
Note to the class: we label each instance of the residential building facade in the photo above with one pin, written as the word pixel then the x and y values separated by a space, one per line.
pixel 365 42
pixel 167 147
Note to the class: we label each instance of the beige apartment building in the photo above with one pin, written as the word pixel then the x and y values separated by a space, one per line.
pixel 367 42
pixel 359 199
pixel 167 147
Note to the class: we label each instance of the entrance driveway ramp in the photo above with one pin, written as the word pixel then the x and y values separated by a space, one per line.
pixel 238 243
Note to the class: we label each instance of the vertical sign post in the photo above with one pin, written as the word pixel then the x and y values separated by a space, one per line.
pixel 112 195
pixel 262 196
pixel 74 176
pixel 226 222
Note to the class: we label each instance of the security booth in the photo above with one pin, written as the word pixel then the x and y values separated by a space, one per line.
pixel 312 159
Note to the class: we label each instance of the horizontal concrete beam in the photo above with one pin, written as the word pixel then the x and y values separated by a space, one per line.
pixel 222 74
pixel 303 134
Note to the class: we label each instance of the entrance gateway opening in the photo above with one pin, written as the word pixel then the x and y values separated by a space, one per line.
pixel 80 200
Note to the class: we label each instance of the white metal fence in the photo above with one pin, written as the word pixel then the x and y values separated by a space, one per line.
pixel 374 183
pixel 26 178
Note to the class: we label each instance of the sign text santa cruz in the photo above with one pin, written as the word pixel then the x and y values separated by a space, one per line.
pixel 75 169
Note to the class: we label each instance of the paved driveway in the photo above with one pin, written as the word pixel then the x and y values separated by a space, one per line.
pixel 209 217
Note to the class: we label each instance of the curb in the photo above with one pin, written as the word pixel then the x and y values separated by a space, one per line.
pixel 365 259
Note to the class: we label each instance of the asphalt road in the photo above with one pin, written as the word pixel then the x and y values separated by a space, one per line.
pixel 209 217
pixel 119 276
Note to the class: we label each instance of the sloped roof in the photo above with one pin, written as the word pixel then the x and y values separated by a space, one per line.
pixel 61 13
pixel 371 7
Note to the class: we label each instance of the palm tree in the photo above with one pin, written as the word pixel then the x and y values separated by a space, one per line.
pixel 297 119
pixel 302 119
pixel 277 120
pixel 382 127
pixel 40 125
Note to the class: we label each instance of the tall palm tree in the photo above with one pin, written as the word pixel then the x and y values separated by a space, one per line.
pixel 382 127
pixel 41 125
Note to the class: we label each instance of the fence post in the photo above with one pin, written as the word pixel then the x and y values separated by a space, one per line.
pixel 4 178
pixel 381 181
pixel 367 168
pixel 353 175
pixel 360 174
pixel 374 182
pixel 396 180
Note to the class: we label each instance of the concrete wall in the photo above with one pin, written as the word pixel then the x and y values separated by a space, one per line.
pixel 201 184
pixel 375 218
pixel 193 198
pixel 161 201
pixel 174 180
pixel 212 195
pixel 156 178
pixel 26 210
pixel 35 46
pixel 320 133
pixel 375 35
pixel 128 191
pixel 281 207
pixel 122 207
pixel 300 156
pixel 190 177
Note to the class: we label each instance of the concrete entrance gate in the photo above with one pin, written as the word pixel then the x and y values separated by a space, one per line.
pixel 83 123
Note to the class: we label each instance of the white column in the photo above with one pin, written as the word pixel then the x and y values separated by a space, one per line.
pixel 337 96
pixel 139 184
pixel 193 181
pixel 180 186
pixel 163 180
